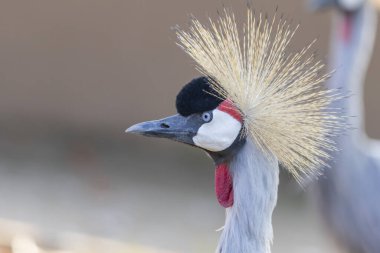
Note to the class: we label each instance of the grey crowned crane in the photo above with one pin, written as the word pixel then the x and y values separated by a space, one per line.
pixel 349 191
pixel 254 107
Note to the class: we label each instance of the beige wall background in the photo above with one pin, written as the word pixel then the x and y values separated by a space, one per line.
pixel 106 64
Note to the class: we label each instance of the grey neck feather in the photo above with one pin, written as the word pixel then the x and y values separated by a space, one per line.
pixel 350 60
pixel 248 225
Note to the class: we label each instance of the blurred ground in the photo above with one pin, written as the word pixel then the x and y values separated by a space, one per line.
pixel 74 74
pixel 149 192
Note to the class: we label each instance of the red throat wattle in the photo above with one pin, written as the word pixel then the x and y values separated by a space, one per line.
pixel 347 27
pixel 224 186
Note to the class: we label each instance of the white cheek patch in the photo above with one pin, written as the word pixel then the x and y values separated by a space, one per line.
pixel 219 133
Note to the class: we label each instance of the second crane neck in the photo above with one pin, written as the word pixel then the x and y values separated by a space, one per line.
pixel 351 49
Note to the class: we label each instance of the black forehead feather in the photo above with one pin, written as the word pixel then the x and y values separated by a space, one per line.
pixel 197 96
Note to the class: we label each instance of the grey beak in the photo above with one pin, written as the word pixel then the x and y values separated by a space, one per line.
pixel 176 127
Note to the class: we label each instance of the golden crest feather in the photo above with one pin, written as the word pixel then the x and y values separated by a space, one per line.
pixel 285 106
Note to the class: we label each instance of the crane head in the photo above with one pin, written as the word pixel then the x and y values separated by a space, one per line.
pixel 204 120
pixel 344 5
pixel 253 89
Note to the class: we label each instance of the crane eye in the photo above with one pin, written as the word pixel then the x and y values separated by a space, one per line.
pixel 207 116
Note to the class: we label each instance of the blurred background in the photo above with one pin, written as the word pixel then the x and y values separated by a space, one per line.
pixel 74 75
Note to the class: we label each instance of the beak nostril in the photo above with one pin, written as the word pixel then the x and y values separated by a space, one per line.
pixel 164 125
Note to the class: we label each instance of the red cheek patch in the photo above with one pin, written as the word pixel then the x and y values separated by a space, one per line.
pixel 228 107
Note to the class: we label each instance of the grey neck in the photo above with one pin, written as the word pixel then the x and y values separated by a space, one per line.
pixel 351 54
pixel 248 225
